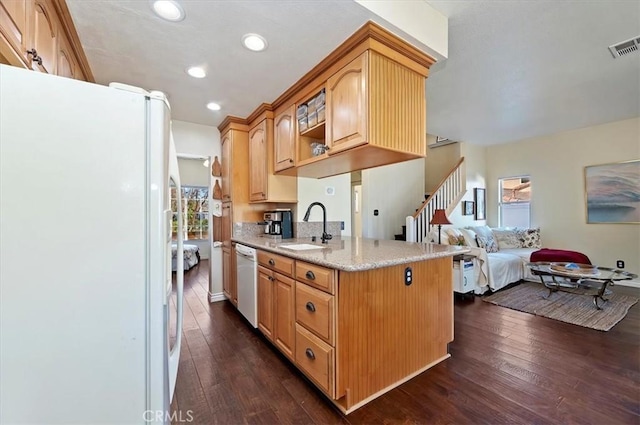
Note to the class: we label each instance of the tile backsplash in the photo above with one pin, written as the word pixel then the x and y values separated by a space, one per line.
pixel 301 229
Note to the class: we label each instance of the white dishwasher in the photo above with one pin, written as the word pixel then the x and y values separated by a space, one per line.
pixel 247 279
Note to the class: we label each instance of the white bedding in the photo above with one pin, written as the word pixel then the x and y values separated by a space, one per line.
pixel 499 269
pixel 191 256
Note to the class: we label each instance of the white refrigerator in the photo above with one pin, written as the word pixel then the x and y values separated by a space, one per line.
pixel 85 253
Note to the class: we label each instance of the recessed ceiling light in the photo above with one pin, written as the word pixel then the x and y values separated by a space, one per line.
pixel 169 10
pixel 254 42
pixel 213 106
pixel 196 72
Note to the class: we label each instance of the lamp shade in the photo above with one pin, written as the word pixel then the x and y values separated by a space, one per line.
pixel 439 217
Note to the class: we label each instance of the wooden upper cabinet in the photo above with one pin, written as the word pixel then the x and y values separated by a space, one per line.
pixel 264 184
pixel 258 162
pixel 285 138
pixel 45 33
pixel 40 35
pixel 67 65
pixel 347 102
pixel 14 26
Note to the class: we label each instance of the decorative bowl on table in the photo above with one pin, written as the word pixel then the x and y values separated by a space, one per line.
pixel 574 268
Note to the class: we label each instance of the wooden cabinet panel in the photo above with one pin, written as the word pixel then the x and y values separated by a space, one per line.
pixel 226 269
pixel 229 282
pixel 226 225
pixel 265 302
pixel 276 262
pixel 45 33
pixel 316 359
pixel 316 311
pixel 347 101
pixel 284 139
pixel 258 162
pixel 317 276
pixel 224 165
pixel 66 66
pixel 14 26
pixel 284 305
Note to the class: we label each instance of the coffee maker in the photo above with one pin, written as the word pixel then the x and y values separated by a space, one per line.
pixel 279 223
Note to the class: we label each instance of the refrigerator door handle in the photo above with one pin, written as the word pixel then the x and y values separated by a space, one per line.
pixel 174 354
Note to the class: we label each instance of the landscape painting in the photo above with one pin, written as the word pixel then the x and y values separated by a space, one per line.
pixel 613 192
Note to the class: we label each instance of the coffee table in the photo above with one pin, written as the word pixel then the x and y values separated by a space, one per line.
pixel 584 280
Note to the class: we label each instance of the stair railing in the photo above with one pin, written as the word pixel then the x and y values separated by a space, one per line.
pixel 446 196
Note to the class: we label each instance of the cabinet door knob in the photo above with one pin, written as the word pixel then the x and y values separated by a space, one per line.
pixel 310 275
pixel 272 262
pixel 309 353
pixel 37 59
pixel 291 160
pixel 311 307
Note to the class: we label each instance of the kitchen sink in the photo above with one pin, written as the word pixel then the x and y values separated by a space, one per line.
pixel 300 246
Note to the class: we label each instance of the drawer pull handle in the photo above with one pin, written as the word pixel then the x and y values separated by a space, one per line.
pixel 272 262
pixel 311 307
pixel 310 275
pixel 309 353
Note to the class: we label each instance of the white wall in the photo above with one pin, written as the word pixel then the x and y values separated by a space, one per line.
pixel 396 191
pixel 338 205
pixel 556 166
pixel 193 173
pixel 475 171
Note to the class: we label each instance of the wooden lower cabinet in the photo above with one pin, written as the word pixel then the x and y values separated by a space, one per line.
pixel 265 302
pixel 284 314
pixel 276 309
pixel 316 358
pixel 369 336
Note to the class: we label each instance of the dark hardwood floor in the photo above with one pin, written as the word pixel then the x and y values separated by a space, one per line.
pixel 505 367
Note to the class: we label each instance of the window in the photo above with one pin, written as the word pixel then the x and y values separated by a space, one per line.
pixel 195 212
pixel 514 209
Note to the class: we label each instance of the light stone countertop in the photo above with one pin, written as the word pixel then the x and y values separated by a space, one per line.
pixel 354 254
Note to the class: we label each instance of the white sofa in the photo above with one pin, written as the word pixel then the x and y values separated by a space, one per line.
pixel 495 270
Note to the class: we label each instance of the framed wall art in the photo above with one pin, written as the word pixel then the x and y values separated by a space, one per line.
pixel 481 208
pixel 467 207
pixel 612 192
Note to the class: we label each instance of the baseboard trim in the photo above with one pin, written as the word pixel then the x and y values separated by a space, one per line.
pixel 214 298
pixel 631 283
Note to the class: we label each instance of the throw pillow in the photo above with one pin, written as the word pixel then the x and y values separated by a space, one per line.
pixel 508 238
pixel 457 240
pixel 486 239
pixel 489 244
pixel 531 238
pixel 469 237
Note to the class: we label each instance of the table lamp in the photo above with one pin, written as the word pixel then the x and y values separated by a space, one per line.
pixel 439 218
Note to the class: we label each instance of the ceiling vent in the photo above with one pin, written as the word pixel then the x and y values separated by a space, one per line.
pixel 625 47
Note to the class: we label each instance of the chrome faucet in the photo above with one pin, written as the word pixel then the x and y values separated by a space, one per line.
pixel 325 235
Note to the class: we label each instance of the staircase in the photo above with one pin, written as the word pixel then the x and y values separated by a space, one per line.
pixel 447 196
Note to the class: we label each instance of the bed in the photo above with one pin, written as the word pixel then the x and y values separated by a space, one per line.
pixel 191 256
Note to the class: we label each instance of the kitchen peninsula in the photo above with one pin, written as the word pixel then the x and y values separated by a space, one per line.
pixel 357 316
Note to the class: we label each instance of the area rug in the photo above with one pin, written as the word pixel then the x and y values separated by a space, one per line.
pixel 563 306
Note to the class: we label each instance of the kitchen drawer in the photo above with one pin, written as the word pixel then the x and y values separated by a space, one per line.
pixel 315 310
pixel 316 359
pixel 276 262
pixel 316 276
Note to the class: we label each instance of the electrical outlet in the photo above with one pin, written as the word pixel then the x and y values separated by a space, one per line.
pixel 375 212
pixel 620 264
pixel 408 276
